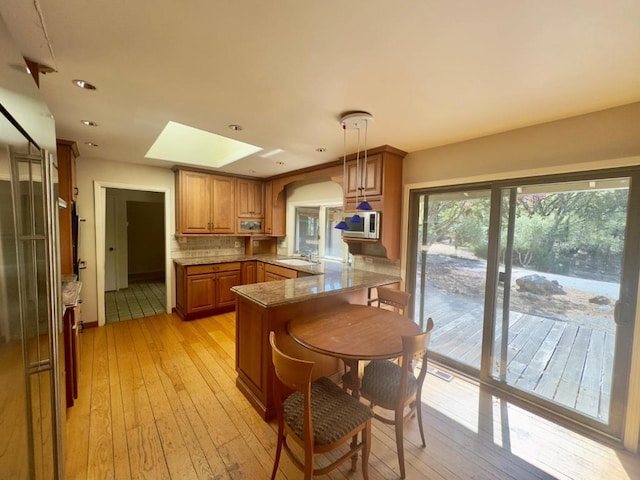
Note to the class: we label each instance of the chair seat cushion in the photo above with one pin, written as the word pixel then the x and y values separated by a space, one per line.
pixel 381 381
pixel 334 413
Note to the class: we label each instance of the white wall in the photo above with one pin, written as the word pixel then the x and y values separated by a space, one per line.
pixel 114 175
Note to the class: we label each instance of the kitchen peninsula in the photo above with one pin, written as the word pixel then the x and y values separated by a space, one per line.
pixel 265 307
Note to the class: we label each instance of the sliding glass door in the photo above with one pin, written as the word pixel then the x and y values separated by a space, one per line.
pixel 532 287
pixel 451 263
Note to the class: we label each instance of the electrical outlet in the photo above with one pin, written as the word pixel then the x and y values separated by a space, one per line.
pixel 368 260
pixel 238 244
pixel 256 243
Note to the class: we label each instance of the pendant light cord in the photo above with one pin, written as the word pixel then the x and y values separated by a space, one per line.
pixel 364 169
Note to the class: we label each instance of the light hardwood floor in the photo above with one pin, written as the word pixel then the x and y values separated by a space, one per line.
pixel 158 400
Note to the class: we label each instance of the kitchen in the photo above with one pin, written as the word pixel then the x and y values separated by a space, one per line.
pixel 589 135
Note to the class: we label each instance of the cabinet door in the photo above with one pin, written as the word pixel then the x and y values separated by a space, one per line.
pixel 272 277
pixel 226 280
pixel 364 179
pixel 250 202
pixel 194 202
pixel 249 272
pixel 67 152
pixel 260 272
pixel 201 293
pixel 223 191
pixel 274 211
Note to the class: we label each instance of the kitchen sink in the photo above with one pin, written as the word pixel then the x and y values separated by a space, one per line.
pixel 300 262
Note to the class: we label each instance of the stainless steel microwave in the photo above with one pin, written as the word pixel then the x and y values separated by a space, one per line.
pixel 365 225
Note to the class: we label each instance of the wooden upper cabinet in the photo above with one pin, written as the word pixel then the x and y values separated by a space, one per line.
pixel 364 179
pixel 250 200
pixel 381 180
pixel 194 202
pixel 66 153
pixel 223 191
pixel 274 211
pixel 204 203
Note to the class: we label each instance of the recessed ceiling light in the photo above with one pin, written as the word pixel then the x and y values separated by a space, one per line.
pixel 91 144
pixel 83 84
pixel 235 128
pixel 321 149
pixel 89 123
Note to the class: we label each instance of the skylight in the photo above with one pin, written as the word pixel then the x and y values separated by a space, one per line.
pixel 183 144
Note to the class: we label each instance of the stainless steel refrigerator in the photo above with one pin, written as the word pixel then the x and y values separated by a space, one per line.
pixel 31 416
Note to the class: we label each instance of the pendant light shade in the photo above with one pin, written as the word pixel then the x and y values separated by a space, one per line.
pixel 342 225
pixel 364 205
pixel 356 219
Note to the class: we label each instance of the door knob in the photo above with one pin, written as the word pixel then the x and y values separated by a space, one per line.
pixel 111 249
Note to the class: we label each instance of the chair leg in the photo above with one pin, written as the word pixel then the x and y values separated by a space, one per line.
pixel 419 409
pixel 399 421
pixel 354 457
pixel 308 462
pixel 366 439
pixel 276 461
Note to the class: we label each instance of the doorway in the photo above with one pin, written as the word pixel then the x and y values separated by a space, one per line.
pixel 532 286
pixel 136 276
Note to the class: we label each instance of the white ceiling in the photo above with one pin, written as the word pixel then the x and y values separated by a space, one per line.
pixel 431 72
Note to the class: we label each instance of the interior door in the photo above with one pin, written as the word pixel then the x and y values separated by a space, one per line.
pixel 566 286
pixel 110 246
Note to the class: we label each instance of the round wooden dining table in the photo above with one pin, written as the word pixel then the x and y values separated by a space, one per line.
pixel 353 332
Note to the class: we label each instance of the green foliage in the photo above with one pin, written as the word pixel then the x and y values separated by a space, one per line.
pixel 563 232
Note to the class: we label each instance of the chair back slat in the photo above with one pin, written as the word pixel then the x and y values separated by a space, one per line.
pixel 292 372
pixel 394 298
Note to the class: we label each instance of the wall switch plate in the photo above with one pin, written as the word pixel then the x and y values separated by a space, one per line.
pixel 256 243
pixel 238 244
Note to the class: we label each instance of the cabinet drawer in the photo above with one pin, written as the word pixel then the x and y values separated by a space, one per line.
pixel 282 272
pixel 212 268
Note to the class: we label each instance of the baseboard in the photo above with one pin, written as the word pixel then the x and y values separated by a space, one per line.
pixel 146 277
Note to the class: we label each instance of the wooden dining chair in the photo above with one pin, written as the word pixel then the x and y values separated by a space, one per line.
pixel 397 299
pixel 318 416
pixel 395 387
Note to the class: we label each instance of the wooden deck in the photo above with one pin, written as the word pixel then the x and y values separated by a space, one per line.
pixel 559 360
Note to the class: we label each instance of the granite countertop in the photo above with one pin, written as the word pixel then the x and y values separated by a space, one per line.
pixel 273 294
pixel 316 269
pixel 71 293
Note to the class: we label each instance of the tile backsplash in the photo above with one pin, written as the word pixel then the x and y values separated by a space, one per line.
pixel 376 264
pixel 184 247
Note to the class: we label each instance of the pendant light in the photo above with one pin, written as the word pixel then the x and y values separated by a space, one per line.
pixel 342 225
pixel 364 205
pixel 356 121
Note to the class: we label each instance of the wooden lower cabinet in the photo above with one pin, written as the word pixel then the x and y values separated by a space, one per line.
pixel 260 272
pixel 203 290
pixel 273 273
pixel 253 352
pixel 250 272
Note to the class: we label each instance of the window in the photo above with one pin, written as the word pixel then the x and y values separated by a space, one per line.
pixel 531 284
pixel 315 233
